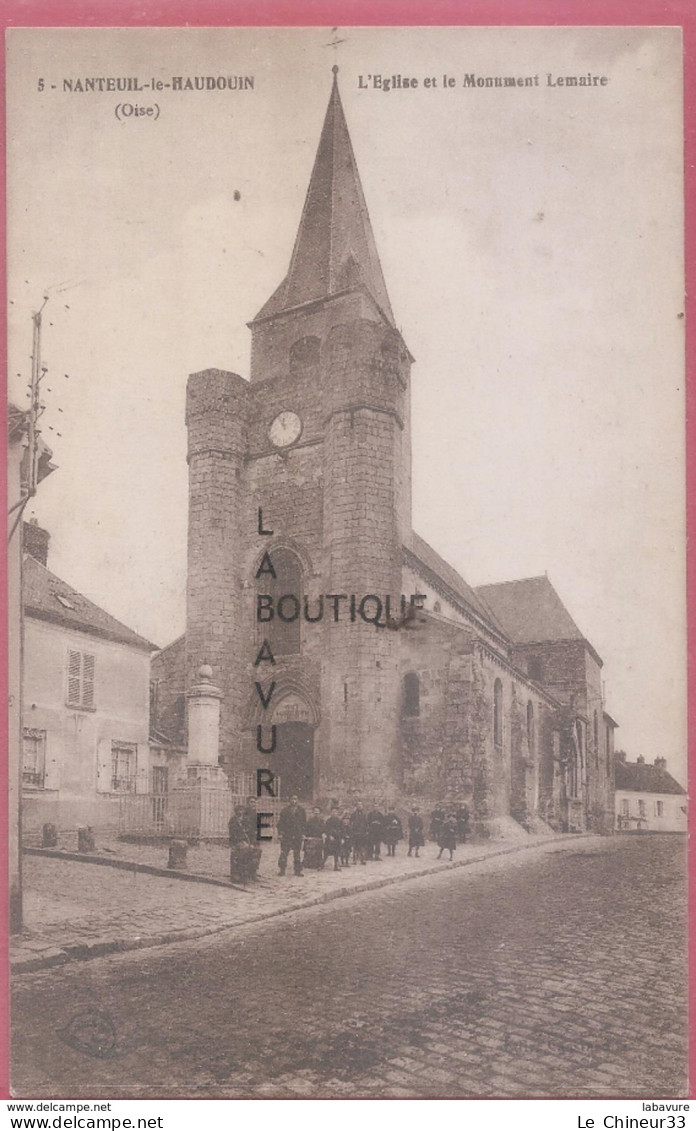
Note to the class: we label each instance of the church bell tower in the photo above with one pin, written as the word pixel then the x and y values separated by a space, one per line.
pixel 318 443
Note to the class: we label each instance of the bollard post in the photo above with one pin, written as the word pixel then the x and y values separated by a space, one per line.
pixel 85 839
pixel 178 850
pixel 49 836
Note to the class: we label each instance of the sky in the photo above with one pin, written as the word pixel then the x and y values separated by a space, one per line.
pixel 531 239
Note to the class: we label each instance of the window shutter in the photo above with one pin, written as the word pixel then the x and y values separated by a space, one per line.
pixel 74 665
pixel 87 680
pixel 104 766
pixel 52 770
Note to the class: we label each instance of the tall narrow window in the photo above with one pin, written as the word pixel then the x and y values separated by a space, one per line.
pixel 531 730
pixel 284 631
pixel 124 757
pixel 498 713
pixel 154 703
pixel 577 760
pixel 160 779
pixel 595 735
pixel 580 731
pixel 80 679
pixel 33 758
pixel 411 702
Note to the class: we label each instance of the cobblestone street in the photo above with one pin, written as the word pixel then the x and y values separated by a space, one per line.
pixel 548 973
pixel 76 908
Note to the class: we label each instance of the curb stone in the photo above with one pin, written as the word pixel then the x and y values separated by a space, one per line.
pixel 81 952
pixel 133 866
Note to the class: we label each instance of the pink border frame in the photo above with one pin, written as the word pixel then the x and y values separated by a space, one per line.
pixel 390 13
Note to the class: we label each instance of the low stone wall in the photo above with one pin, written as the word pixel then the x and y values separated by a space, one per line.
pixel 101 813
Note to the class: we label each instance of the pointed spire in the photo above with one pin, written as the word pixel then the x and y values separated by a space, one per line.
pixel 335 249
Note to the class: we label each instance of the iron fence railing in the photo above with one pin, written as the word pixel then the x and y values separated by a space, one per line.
pixel 188 812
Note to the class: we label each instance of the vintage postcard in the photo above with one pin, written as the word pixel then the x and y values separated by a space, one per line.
pixel 347 556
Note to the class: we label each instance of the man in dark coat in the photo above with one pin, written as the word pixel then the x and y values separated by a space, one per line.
pixel 291 829
pixel 245 855
pixel 375 833
pixel 448 835
pixel 358 832
pixel 393 831
pixel 462 815
pixel 249 820
pixel 333 835
pixel 236 828
pixel 437 820
pixel 416 839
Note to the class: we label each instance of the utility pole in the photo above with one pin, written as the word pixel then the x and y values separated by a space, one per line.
pixel 37 375
pixel 24 472
pixel 31 478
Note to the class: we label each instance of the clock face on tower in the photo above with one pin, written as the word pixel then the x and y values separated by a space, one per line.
pixel 285 429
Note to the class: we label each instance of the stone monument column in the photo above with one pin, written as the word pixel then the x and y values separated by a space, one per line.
pixel 204 730
pixel 201 806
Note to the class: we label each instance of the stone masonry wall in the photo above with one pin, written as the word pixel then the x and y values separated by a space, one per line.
pixel 216 414
pixel 365 393
pixel 437 743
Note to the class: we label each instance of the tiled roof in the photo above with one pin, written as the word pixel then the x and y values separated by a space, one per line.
pixel 530 611
pixel 48 598
pixel 453 580
pixel 17 420
pixel 641 777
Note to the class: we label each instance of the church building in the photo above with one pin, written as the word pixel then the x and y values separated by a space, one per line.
pixel 349 656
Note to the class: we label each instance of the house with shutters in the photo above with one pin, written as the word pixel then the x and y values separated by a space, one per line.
pixel 86 703
pixel 648 798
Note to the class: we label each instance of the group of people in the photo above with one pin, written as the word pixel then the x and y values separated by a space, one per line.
pixel 447 828
pixel 346 836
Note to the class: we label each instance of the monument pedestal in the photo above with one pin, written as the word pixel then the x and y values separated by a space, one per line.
pixel 202 805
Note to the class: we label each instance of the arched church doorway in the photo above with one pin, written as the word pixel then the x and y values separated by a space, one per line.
pixel 294 759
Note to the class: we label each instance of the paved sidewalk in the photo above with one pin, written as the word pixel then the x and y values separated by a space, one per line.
pixel 74 910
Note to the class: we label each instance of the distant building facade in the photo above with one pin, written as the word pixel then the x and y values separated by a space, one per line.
pixel 299 531
pixel 648 798
pixel 86 702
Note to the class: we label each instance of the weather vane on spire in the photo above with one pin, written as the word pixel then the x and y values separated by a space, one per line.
pixel 335 43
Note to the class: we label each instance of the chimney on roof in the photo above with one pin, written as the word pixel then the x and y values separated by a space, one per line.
pixel 640 760
pixel 620 755
pixel 36 541
pixel 661 763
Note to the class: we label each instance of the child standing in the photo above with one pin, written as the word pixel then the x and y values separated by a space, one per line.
pixel 332 844
pixel 346 841
pixel 393 831
pixel 448 836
